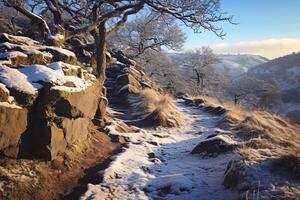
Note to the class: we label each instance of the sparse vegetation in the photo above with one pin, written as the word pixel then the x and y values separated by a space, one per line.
pixel 259 128
pixel 156 109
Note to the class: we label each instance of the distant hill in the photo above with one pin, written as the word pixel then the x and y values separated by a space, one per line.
pixel 285 72
pixel 235 65
pixel 231 65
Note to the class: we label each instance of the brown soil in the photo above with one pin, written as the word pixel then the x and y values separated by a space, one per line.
pixel 64 178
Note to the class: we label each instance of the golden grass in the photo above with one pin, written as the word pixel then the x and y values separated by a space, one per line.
pixel 158 109
pixel 260 129
pixel 266 139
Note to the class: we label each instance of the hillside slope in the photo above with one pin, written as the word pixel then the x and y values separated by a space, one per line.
pixel 285 73
pixel 235 65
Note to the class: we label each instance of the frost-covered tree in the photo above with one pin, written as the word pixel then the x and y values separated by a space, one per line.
pixel 200 61
pixel 94 16
pixel 161 69
pixel 148 32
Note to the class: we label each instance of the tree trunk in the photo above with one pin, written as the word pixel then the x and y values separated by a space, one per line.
pixel 198 77
pixel 95 34
pixel 101 53
pixel 57 14
pixel 202 82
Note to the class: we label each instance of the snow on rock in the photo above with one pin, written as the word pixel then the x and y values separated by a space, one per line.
pixel 37 73
pixel 29 79
pixel 62 51
pixel 216 144
pixel 13 78
pixel 67 69
pixel 37 53
pixel 157 164
pixel 4 37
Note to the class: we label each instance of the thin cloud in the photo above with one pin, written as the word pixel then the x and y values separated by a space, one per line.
pixel 270 48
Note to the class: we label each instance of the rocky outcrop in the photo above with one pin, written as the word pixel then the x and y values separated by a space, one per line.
pixel 48 103
pixel 65 119
pixel 18 50
pixel 216 144
pixel 124 77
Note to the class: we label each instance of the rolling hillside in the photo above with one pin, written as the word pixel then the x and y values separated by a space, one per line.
pixel 231 65
pixel 285 72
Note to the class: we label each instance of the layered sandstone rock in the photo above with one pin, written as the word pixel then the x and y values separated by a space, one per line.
pixel 13 123
pixel 125 78
pixel 48 103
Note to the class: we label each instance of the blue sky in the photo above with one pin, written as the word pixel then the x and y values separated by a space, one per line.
pixel 270 25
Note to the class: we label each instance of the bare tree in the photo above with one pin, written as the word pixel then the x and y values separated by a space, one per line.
pixel 94 15
pixel 148 32
pixel 200 61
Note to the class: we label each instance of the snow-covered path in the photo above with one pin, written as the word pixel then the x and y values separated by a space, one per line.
pixel 157 164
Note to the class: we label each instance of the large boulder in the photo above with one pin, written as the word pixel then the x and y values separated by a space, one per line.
pixel 216 144
pixel 54 136
pixel 16 58
pixel 64 119
pixel 75 130
pixel 13 122
pixel 71 104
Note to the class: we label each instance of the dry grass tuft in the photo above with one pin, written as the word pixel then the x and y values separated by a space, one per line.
pixel 156 109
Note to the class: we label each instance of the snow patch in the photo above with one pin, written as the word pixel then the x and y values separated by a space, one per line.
pixel 62 51
pixel 29 79
pixel 13 78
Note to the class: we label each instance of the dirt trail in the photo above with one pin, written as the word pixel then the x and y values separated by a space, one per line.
pixel 157 164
